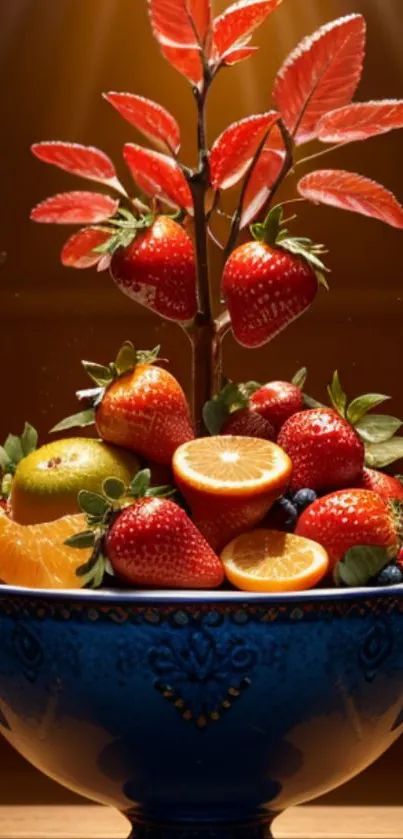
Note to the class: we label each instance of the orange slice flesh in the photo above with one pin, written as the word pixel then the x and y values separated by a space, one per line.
pixel 267 560
pixel 35 556
pixel 231 465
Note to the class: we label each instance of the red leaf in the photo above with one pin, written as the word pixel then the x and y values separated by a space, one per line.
pixel 85 161
pixel 78 252
pixel 75 208
pixel 176 36
pixel 349 191
pixel 238 22
pixel 237 54
pixel 200 12
pixel 148 117
pixel 233 152
pixel 320 75
pixel 263 177
pixel 360 121
pixel 158 175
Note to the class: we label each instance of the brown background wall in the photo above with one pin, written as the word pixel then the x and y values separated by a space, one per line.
pixel 56 57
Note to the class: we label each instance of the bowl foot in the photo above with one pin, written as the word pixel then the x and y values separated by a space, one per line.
pixel 255 828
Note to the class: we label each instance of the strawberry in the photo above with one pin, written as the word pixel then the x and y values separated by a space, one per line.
pixel 399 558
pixel 248 423
pixel 269 282
pixel 325 450
pixel 349 518
pixel 136 405
pixel 144 538
pixel 158 270
pixel 277 401
pixel 386 486
pixel 154 543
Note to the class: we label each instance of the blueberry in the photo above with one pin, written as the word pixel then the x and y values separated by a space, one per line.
pixel 389 576
pixel 303 498
pixel 289 512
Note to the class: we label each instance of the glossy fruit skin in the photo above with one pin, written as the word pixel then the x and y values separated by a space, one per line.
pixel 325 450
pixel 248 423
pixel 47 482
pixel 146 412
pixel 277 401
pixel 392 575
pixel 386 486
pixel 154 543
pixel 265 289
pixel 303 498
pixel 158 270
pixel 347 518
pixel 282 516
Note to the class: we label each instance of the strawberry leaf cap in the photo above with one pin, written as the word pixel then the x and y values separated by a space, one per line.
pixel 103 376
pixel 12 452
pixel 233 397
pixel 101 510
pixel 378 431
pixel 272 232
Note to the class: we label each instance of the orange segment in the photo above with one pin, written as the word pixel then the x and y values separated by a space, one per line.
pixel 35 556
pixel 230 465
pixel 267 560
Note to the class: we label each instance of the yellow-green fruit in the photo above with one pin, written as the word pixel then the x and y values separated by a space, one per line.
pixel 47 482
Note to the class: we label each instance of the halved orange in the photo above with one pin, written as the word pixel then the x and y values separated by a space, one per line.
pixel 230 483
pixel 35 556
pixel 229 465
pixel 270 561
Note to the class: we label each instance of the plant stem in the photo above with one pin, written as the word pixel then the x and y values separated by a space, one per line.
pixel 287 163
pixel 320 154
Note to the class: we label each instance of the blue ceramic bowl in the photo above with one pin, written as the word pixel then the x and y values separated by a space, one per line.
pixel 201 714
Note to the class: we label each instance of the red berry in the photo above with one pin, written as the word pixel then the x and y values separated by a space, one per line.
pixel 386 486
pixel 348 518
pixel 154 543
pixel 265 288
pixel 158 270
pixel 325 450
pixel 277 401
pixel 248 423
pixel 146 412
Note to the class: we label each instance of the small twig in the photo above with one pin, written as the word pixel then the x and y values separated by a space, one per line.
pixel 222 324
pixel 320 153
pixel 237 218
pixel 287 163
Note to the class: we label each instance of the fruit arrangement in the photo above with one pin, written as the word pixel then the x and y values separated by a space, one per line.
pixel 252 485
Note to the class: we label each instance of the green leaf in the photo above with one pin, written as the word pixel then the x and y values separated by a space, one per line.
pixel 246 390
pixel 377 428
pixel 92 503
pixel 126 358
pixel 337 396
pixel 378 455
pixel 29 439
pixel 359 407
pixel 99 374
pixel 215 413
pixel 90 394
pixel 86 539
pixel 13 448
pixel 300 378
pixel 148 356
pixel 161 492
pixel 80 420
pixel 114 489
pixel 140 483
pixel 322 281
pixel 6 485
pixel 312 403
pixel 360 564
pixel 5 460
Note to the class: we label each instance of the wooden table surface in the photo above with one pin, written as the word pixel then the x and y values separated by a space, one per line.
pixel 33 807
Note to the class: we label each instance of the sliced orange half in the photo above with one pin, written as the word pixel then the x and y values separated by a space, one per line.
pixel 267 560
pixel 229 465
pixel 35 556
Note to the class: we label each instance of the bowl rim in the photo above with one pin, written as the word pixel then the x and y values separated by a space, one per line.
pixel 150 597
